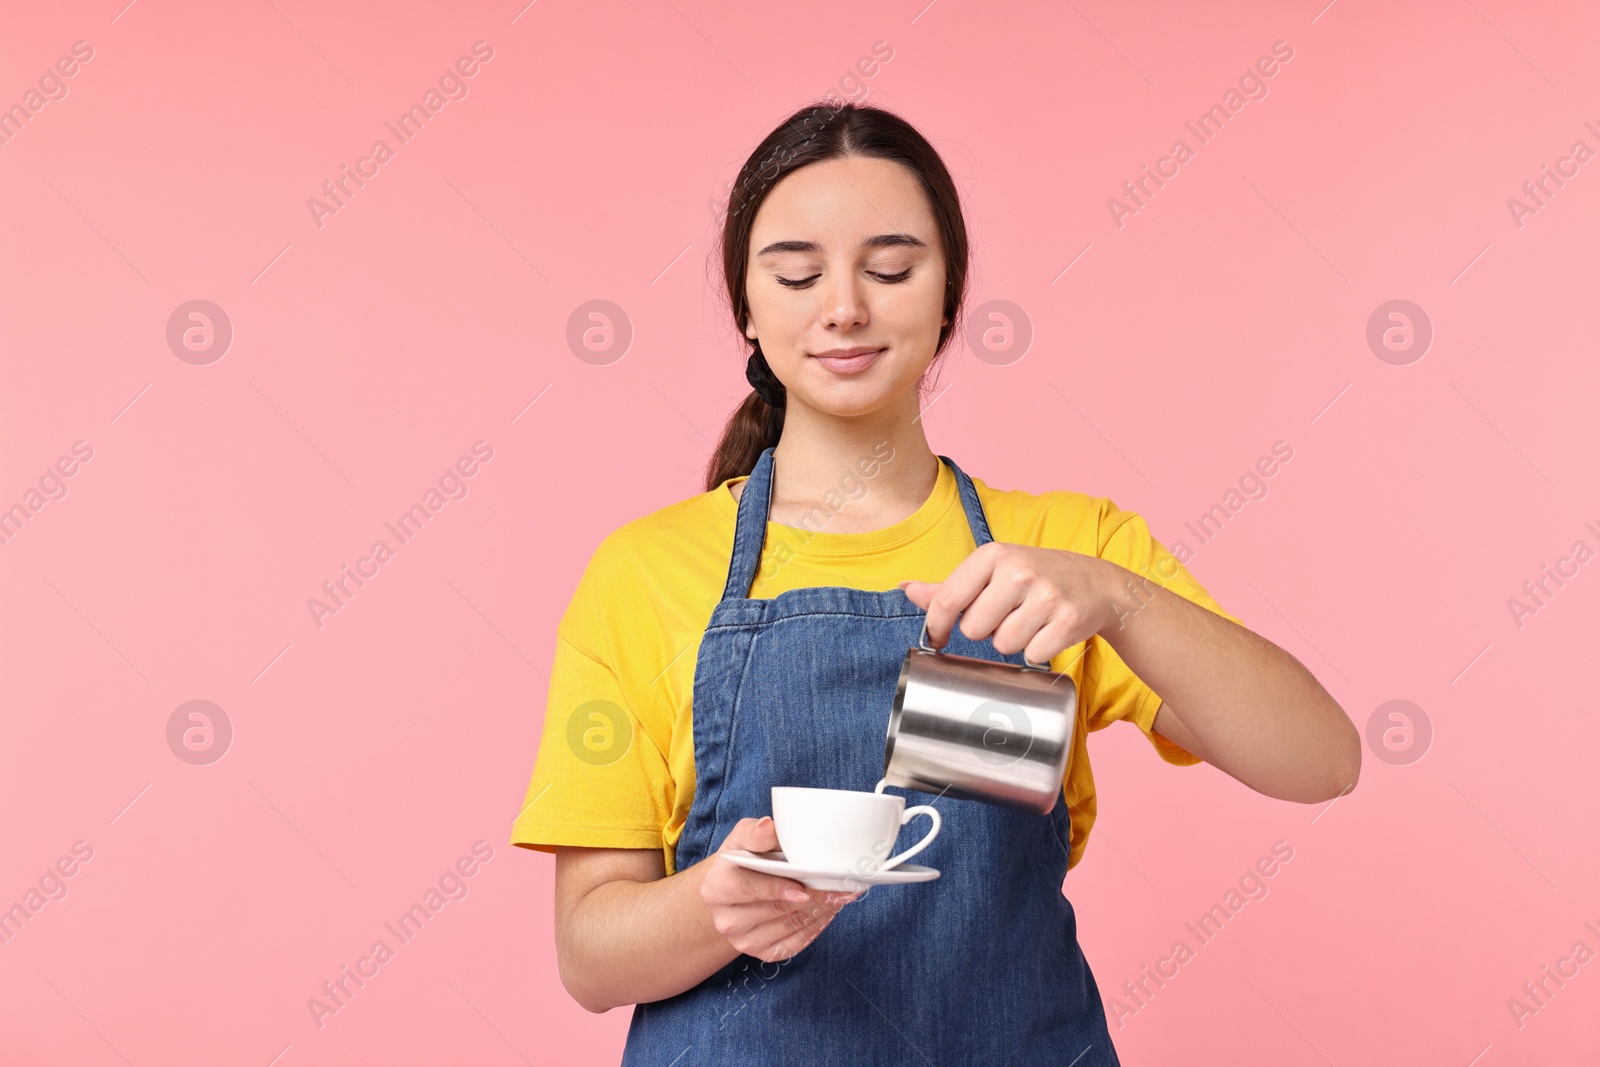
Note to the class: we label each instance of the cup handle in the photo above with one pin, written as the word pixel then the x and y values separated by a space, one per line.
pixel 911 813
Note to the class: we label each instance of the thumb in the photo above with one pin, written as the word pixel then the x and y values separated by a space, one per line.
pixel 754 835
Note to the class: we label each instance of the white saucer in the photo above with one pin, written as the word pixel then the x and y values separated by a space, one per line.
pixel 817 878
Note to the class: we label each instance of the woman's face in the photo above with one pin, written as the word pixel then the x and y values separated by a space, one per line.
pixel 845 257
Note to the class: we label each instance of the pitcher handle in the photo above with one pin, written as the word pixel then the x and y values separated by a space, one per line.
pixel 922 643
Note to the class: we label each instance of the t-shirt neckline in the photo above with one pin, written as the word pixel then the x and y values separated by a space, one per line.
pixel 820 542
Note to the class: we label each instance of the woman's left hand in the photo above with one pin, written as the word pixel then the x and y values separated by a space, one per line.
pixel 1039 601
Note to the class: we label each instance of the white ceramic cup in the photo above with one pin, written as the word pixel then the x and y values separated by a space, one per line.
pixel 843 829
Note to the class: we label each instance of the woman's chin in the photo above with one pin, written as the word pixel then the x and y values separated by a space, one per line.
pixel 852 403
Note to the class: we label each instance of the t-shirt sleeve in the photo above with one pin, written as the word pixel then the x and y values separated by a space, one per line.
pixel 599 779
pixel 1111 689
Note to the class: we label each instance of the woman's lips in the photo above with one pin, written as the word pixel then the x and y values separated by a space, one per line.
pixel 850 364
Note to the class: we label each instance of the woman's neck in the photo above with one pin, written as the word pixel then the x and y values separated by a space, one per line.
pixel 879 465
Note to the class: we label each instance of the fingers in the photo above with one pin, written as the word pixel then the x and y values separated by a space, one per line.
pixel 1012 595
pixel 760 914
pixel 1045 622
pixel 784 936
pixel 952 596
pixel 754 927
pixel 1024 599
pixel 748 916
pixel 1055 637
pixel 755 835
pixel 742 920
pixel 726 884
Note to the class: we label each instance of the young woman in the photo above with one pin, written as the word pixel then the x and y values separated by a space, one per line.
pixel 752 635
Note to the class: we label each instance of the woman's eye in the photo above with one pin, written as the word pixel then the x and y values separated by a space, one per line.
pixel 801 283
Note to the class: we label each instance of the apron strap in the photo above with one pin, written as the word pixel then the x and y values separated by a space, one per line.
pixel 750 529
pixel 755 504
pixel 976 519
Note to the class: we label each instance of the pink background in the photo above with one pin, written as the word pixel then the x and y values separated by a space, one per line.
pixel 368 354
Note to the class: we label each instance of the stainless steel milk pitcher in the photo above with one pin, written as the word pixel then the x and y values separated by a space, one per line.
pixel 980 729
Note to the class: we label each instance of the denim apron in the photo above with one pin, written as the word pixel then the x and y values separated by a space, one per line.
pixel 978 966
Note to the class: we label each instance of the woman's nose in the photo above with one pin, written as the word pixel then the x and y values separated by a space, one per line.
pixel 844 304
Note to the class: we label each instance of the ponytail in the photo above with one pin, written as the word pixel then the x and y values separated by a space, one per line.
pixel 753 427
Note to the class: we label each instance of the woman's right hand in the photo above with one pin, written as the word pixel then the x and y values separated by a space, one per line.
pixel 763 915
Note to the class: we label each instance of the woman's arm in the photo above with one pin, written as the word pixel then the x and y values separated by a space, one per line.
pixel 628 934
pixel 1232 698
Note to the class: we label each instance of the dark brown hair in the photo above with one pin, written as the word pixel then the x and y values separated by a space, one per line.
pixel 810 135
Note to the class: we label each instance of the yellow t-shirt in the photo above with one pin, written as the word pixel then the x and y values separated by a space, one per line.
pixel 615 766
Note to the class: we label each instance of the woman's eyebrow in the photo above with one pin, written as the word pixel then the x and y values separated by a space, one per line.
pixel 882 240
